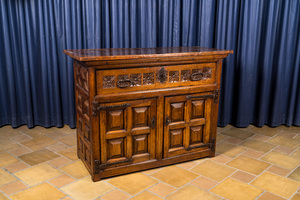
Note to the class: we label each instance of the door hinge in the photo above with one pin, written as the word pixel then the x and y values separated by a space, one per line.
pixel 214 96
pixel 168 121
pixel 97 166
pixel 213 140
pixel 97 107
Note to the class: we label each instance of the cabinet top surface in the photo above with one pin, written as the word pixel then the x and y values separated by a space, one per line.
pixel 137 53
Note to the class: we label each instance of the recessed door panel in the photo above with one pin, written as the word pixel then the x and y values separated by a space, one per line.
pixel 128 136
pixel 187 124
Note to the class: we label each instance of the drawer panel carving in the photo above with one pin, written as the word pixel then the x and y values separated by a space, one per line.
pixel 124 80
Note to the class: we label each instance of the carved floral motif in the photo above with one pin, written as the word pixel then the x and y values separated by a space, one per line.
pixel 173 76
pixel 185 75
pixel 148 78
pixel 136 79
pixel 109 81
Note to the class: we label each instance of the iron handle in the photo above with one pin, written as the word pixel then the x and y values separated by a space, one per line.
pixel 197 76
pixel 124 83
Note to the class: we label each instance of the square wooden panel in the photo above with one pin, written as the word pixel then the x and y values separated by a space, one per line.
pixel 197 109
pixel 140 116
pixel 115 148
pixel 87 132
pixel 115 120
pixel 177 112
pixel 176 138
pixel 196 134
pixel 140 144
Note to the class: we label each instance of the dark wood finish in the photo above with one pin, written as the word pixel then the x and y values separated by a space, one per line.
pixel 146 107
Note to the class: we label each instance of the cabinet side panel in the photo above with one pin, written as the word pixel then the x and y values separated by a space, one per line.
pixel 83 110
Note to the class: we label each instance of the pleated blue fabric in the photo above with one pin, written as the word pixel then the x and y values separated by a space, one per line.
pixel 260 81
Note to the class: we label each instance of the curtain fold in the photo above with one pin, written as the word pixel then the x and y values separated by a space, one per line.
pixel 260 81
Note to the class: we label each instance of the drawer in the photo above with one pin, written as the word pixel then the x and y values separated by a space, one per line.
pixel 125 80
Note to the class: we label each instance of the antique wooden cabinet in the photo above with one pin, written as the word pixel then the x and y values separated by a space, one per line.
pixel 145 107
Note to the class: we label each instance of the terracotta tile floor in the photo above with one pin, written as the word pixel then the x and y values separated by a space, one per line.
pixel 251 163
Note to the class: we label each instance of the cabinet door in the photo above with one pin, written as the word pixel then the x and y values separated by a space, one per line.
pixel 127 132
pixel 187 124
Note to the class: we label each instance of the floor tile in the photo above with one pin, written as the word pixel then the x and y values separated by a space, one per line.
pixel 287 134
pixel 229 149
pixel 62 180
pixel 6 177
pixel 68 140
pixel 146 195
pixel 276 184
pixel 76 169
pixel 296 154
pixel 281 160
pixel 266 130
pixel 151 171
pixel 38 156
pixel 21 138
pixel 279 170
pixel 213 170
pixel 295 175
pixel 258 145
pixel 58 147
pixel 37 174
pixel 7 144
pixel 19 151
pixel 260 137
pixel 175 176
pixel 253 154
pixel 192 193
pixel 296 197
pixel 295 129
pixel 86 189
pixel 115 195
pixel 243 176
pixel 220 137
pixel 38 143
pixel 233 140
pixel 269 196
pixel 187 165
pixel 284 141
pixel 283 149
pixel 58 162
pixel 204 183
pixel 16 167
pixel 238 133
pixel 7 159
pixel 221 158
pixel 3 197
pixel 162 189
pixel 249 164
pixel 133 183
pixel 236 190
pixel 13 187
pixel 70 153
pixel 43 191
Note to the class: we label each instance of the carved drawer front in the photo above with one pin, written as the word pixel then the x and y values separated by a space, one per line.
pixel 127 132
pixel 187 124
pixel 124 80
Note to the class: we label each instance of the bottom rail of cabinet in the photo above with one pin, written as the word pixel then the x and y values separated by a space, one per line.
pixel 125 169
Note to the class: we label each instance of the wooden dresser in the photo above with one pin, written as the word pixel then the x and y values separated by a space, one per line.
pixel 145 107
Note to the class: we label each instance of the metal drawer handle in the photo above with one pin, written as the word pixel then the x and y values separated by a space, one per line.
pixel 124 83
pixel 197 76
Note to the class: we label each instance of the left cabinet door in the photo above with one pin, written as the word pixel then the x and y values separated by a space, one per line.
pixel 127 132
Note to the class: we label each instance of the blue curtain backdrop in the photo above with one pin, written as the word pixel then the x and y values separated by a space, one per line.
pixel 260 81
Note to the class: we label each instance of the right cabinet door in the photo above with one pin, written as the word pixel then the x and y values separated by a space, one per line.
pixel 187 123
